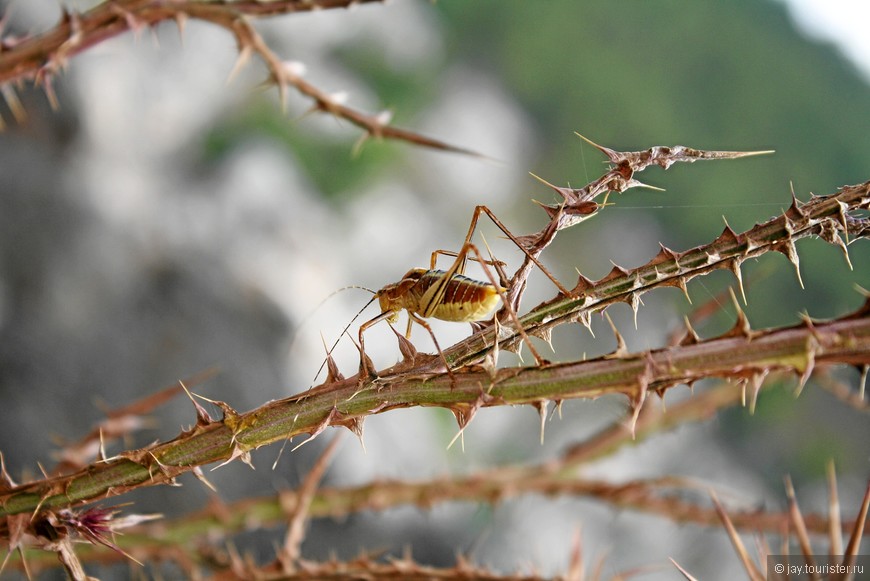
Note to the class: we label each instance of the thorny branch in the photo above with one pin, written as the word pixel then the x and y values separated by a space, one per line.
pixel 830 218
pixel 40 57
pixel 348 402
pixel 673 499
pixel 743 355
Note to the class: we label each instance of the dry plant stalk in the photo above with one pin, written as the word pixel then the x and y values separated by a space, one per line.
pixel 39 58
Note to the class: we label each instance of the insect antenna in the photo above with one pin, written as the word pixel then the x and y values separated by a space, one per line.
pixel 307 317
pixel 355 317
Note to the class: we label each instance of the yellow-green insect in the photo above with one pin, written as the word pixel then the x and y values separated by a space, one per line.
pixel 446 295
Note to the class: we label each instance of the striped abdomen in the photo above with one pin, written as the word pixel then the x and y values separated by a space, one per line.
pixel 464 299
pixel 427 293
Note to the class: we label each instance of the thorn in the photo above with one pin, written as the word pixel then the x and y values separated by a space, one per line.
pixel 45 79
pixel 13 103
pixel 459 436
pixel 797 519
pixel 741 326
pixel 546 335
pixel 835 531
pixel 734 264
pixel 860 520
pixel 685 573
pixel 332 372
pixel 691 337
pixel 101 456
pixel 542 411
pixel 845 248
pixel 666 253
pixel 357 148
pixel 409 352
pixel 197 471
pixel 611 154
pixel 681 282
pixel 202 416
pixel 791 254
pixel 637 405
pixel 586 320
pixel 5 479
pixel 318 429
pixel 576 565
pixel 633 183
pixel 621 347
pixel 863 381
pixel 794 212
pixel 757 381
pixel 464 414
pixel 583 283
pixel 338 99
pixel 385 117
pixel 810 365
pixel 244 57
pixel 357 429
pixel 181 23
pixel 752 153
pixel 752 571
pixel 635 304
pixel 568 194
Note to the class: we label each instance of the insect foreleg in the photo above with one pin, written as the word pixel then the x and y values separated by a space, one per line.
pixel 365 371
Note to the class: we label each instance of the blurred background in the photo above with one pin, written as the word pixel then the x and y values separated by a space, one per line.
pixel 166 221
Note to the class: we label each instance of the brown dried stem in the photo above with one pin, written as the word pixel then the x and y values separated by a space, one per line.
pixel 39 58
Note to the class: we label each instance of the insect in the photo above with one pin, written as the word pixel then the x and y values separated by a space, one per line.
pixel 448 295
pixel 445 295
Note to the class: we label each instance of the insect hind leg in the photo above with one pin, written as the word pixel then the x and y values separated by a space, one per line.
pixel 425 325
pixel 495 263
pixel 475 217
pixel 438 295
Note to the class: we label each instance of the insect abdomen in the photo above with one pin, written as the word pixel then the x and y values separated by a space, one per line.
pixel 464 300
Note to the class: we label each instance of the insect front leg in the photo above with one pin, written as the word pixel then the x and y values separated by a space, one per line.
pixel 365 367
